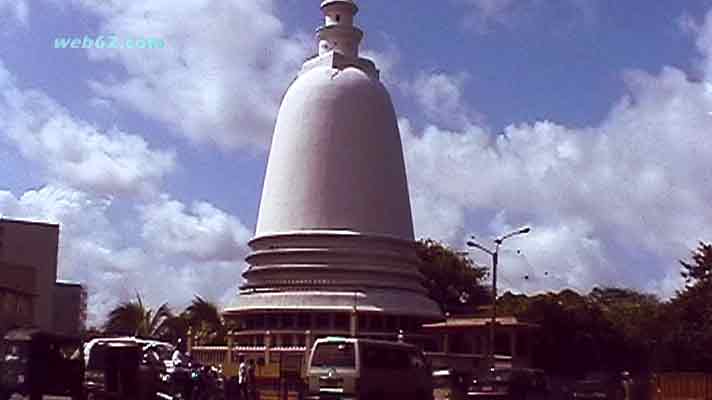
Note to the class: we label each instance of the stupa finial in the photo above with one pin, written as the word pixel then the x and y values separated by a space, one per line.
pixel 338 32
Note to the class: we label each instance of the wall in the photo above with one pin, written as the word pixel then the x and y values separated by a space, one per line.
pixel 68 304
pixel 33 245
pixel 17 296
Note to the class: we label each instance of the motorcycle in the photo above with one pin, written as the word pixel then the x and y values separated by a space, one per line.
pixel 208 383
pixel 185 380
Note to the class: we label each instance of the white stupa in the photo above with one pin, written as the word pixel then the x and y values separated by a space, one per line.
pixel 335 232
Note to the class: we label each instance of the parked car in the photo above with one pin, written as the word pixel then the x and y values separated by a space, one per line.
pixel 35 364
pixel 600 386
pixel 509 383
pixel 341 368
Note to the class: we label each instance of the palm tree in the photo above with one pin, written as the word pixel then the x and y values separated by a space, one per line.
pixel 205 320
pixel 134 318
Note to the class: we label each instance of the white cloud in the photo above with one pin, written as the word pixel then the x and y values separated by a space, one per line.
pixel 704 44
pixel 618 203
pixel 221 75
pixel 483 14
pixel 74 151
pixel 487 10
pixel 95 249
pixel 16 10
pixel 441 96
pixel 203 232
pixel 386 61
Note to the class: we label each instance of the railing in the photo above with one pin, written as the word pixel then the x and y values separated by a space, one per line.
pixel 211 355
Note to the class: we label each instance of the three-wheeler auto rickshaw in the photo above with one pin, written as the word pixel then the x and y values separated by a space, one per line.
pixel 112 371
pixel 36 365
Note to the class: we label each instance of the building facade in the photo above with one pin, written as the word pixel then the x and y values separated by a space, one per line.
pixel 463 343
pixel 69 307
pixel 333 252
pixel 29 292
pixel 17 296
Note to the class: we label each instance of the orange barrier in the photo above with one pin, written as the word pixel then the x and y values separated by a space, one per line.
pixel 683 386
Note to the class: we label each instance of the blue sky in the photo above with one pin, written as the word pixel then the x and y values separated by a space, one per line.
pixel 588 120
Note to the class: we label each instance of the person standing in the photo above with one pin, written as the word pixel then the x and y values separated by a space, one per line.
pixel 242 379
pixel 251 386
pixel 626 383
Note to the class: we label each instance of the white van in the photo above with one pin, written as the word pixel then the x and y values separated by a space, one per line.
pixel 363 369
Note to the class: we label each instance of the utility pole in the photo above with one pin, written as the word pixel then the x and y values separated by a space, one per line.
pixel 495 259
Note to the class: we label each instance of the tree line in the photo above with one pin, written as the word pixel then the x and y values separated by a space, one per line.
pixel 605 329
pixel 201 318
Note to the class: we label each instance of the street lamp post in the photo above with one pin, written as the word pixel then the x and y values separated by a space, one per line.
pixel 495 258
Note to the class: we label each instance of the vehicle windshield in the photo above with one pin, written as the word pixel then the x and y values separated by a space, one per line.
pixel 163 352
pixel 334 355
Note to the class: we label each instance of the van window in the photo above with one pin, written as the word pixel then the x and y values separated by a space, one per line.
pixel 334 355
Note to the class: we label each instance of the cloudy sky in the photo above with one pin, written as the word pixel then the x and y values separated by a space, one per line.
pixel 589 120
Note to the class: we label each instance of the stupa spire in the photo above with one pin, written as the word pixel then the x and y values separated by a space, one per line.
pixel 338 32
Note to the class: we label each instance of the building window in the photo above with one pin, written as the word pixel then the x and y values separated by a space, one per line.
pixel 270 321
pixel 259 340
pixel 323 321
pixel 338 17
pixel 362 322
pixel 287 341
pixel 287 321
pixel 341 321
pixel 258 322
pixel 391 323
pixel 244 340
pixel 376 322
pixel 304 321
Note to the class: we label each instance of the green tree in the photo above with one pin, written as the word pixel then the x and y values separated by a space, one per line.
pixel 605 329
pixel 698 272
pixel 452 279
pixel 687 318
pixel 205 321
pixel 136 319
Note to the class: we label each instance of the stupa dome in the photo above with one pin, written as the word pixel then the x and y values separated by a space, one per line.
pixel 336 160
pixel 334 231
